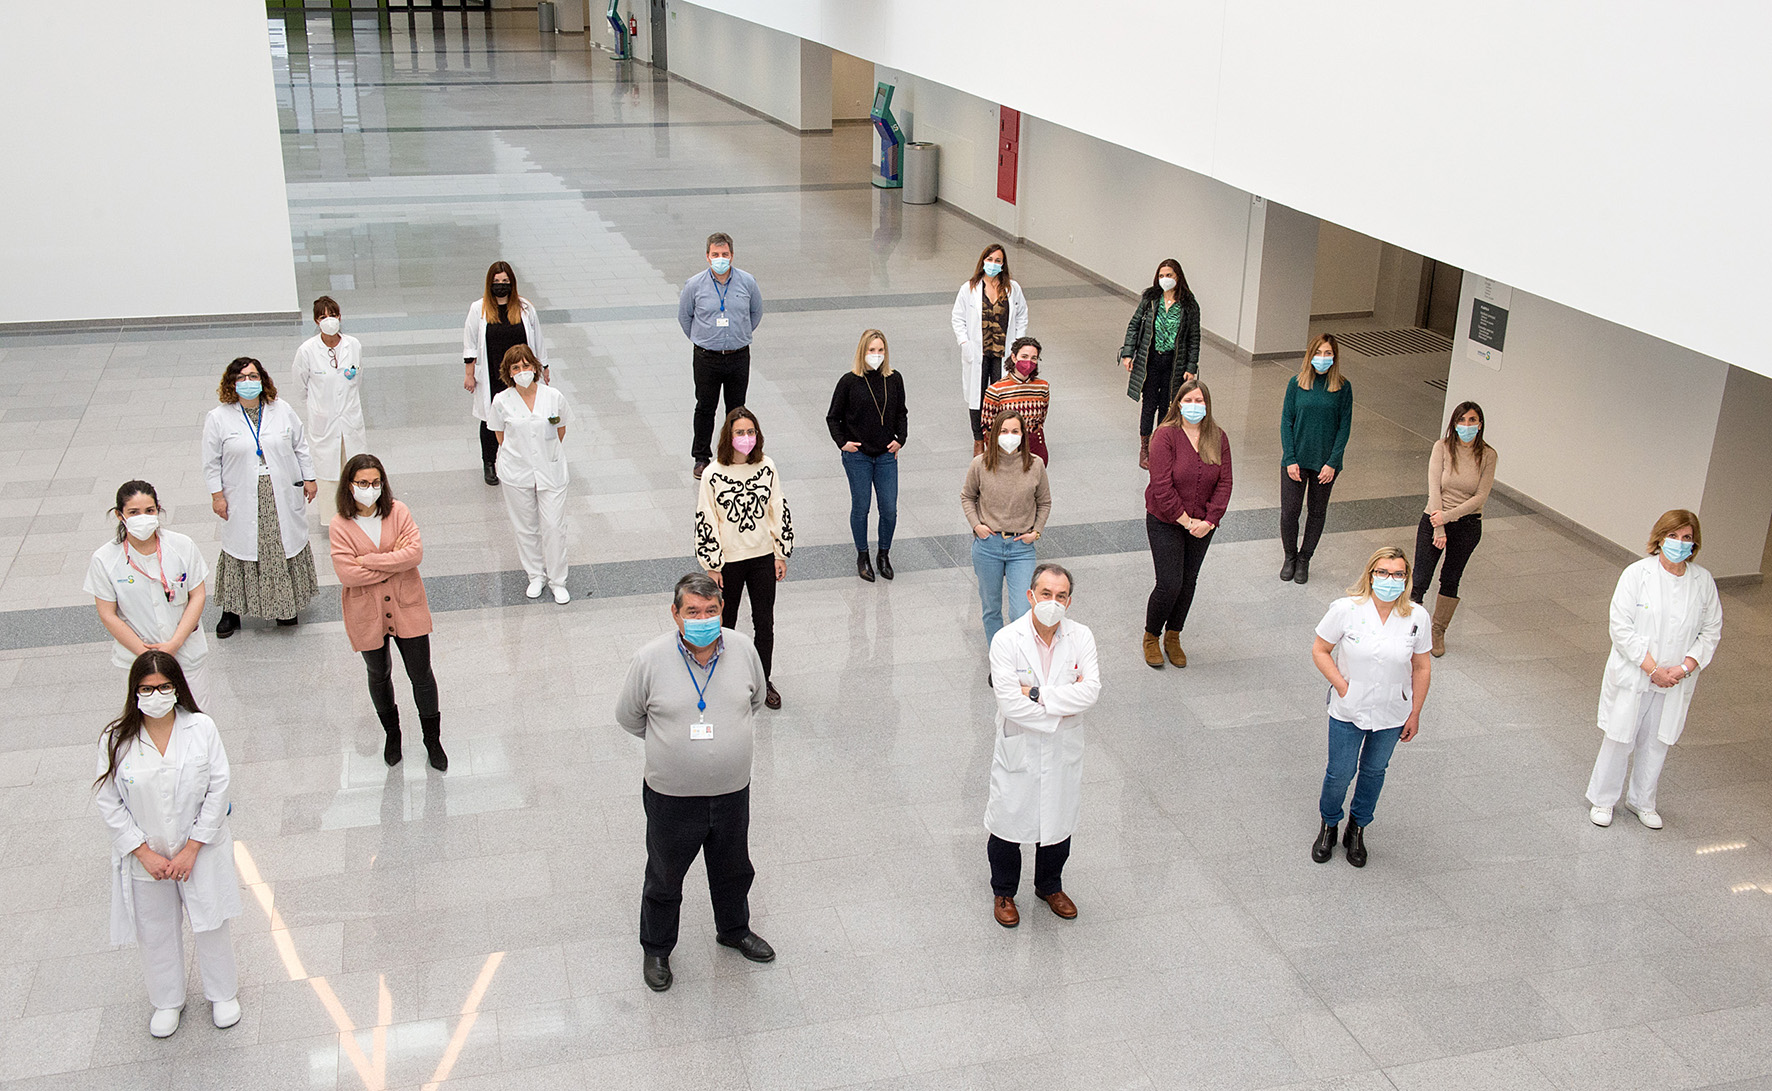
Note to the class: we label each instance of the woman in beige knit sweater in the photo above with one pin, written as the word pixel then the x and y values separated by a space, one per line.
pixel 1460 472
pixel 1006 500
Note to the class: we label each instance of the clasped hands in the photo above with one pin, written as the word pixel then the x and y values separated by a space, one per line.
pixel 178 868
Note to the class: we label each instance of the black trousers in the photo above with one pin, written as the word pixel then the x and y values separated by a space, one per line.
pixel 415 652
pixel 1005 857
pixel 488 440
pixel 1159 368
pixel 715 373
pixel 1292 498
pixel 1462 536
pixel 990 369
pixel 677 828
pixel 1177 556
pixel 756 575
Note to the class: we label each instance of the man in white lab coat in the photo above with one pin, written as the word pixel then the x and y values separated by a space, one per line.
pixel 1045 674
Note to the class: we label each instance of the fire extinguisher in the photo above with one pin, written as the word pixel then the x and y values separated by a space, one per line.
pixel 633 26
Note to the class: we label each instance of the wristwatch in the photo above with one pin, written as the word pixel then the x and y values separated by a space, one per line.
pixel 1034 694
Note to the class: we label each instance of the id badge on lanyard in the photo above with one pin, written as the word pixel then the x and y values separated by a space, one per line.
pixel 700 730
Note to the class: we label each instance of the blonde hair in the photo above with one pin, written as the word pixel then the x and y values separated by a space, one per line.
pixel 1671 521
pixel 1308 374
pixel 861 351
pixel 1363 589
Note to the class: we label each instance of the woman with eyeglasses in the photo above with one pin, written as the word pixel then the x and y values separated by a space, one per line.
pixel 498 321
pixel 1316 418
pixel 989 314
pixel 1373 647
pixel 1460 473
pixel 376 549
pixel 1022 391
pixel 1666 622
pixel 1006 500
pixel 1164 332
pixel 261 480
pixel 149 585
pixel 163 792
pixel 1189 493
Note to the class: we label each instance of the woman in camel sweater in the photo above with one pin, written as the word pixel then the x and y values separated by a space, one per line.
pixel 1460 472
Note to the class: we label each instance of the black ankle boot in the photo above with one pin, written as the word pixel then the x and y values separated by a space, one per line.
pixel 227 626
pixel 390 750
pixel 1302 572
pixel 883 561
pixel 433 726
pixel 1324 846
pixel 1355 843
pixel 863 568
pixel 490 473
pixel 1287 569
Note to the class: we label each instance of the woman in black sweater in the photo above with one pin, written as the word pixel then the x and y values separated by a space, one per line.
pixel 869 423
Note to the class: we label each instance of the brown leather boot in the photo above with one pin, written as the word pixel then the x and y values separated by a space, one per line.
pixel 977 447
pixel 1172 647
pixel 1444 607
pixel 1144 452
pixel 1153 651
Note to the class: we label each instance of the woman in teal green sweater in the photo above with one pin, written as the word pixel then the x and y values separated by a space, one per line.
pixel 1315 421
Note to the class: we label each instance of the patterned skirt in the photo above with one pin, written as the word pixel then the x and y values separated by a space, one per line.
pixel 272 586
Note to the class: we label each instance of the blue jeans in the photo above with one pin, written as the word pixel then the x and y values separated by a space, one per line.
pixel 870 476
pixel 1351 749
pixel 997 559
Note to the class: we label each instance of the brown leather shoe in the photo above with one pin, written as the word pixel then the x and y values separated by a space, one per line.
pixel 1061 904
pixel 1144 452
pixel 1153 652
pixel 1172 648
pixel 1006 913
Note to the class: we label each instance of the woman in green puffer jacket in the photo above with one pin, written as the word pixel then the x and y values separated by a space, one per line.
pixel 1162 348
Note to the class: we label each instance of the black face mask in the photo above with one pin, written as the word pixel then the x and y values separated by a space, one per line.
pixel 501 291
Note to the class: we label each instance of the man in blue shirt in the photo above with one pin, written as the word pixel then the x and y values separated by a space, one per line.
pixel 719 310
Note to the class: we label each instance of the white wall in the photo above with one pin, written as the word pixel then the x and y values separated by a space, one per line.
pixel 1737 502
pixel 748 63
pixel 1279 264
pixel 1628 192
pixel 1347 271
pixel 144 170
pixel 852 87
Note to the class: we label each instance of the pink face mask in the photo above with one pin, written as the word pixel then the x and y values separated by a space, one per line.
pixel 1024 368
pixel 744 445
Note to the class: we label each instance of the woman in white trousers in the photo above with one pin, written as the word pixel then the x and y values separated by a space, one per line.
pixel 1666 622
pixel 163 791
pixel 529 419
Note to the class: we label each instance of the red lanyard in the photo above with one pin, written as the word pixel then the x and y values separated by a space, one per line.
pixel 129 555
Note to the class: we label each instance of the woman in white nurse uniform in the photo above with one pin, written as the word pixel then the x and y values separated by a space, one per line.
pixel 529 420
pixel 163 791
pixel 498 321
pixel 329 373
pixel 149 586
pixel 1666 622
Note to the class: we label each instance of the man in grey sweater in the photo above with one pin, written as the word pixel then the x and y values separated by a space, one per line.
pixel 693 695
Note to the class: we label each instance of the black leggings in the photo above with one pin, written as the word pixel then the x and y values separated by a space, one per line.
pixel 1292 498
pixel 1177 556
pixel 989 371
pixel 1462 536
pixel 757 575
pixel 488 438
pixel 1005 858
pixel 415 652
pixel 1159 368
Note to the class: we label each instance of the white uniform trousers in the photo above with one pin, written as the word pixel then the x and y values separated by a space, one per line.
pixel 160 932
pixel 538 515
pixel 198 679
pixel 1607 784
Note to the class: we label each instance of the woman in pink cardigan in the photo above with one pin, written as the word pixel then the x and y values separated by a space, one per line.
pixel 375 552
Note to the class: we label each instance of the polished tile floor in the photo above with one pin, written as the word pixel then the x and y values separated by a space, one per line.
pixel 478 930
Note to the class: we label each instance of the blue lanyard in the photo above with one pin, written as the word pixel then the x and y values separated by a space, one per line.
pixel 721 290
pixel 254 429
pixel 701 704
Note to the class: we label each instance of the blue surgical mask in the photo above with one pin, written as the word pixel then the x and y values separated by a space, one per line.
pixel 721 266
pixel 1322 363
pixel 1675 550
pixel 1387 588
pixel 1467 432
pixel 1193 412
pixel 701 631
pixel 992 268
pixel 249 388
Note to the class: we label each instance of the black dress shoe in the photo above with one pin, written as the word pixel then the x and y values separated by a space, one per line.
pixel 1287 569
pixel 656 969
pixel 883 561
pixel 1355 843
pixel 1324 846
pixel 491 474
pixel 750 945
pixel 287 622
pixel 227 626
pixel 863 568
pixel 701 465
pixel 1302 574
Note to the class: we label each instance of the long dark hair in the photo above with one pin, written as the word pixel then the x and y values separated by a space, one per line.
pixel 725 453
pixel 1452 440
pixel 993 451
pixel 347 501
pixel 125 729
pixel 1181 288
pixel 978 270
pixel 126 492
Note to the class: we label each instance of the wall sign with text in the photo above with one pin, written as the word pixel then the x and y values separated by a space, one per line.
pixel 1487 335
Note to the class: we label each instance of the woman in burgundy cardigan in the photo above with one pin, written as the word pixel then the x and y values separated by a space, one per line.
pixel 1186 500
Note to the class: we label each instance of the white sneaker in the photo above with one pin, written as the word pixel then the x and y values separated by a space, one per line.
pixel 225 1012
pixel 561 595
pixel 164 1024
pixel 1602 816
pixel 535 587
pixel 1650 819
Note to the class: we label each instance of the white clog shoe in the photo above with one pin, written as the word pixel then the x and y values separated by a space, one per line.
pixel 1602 816
pixel 164 1024
pixel 225 1013
pixel 1650 819
pixel 535 587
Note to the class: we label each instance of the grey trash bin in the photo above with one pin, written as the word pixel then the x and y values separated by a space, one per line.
pixel 922 161
pixel 545 15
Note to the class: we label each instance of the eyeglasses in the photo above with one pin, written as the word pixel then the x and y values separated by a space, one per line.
pixel 1381 574
pixel 148 691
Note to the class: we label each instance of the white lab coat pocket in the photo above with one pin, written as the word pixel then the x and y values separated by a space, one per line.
pixel 1013 751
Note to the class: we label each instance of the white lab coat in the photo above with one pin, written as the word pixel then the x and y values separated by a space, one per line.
pixel 1037 767
pixel 335 407
pixel 198 807
pixel 968 322
pixel 230 467
pixel 1669 617
pixel 473 345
